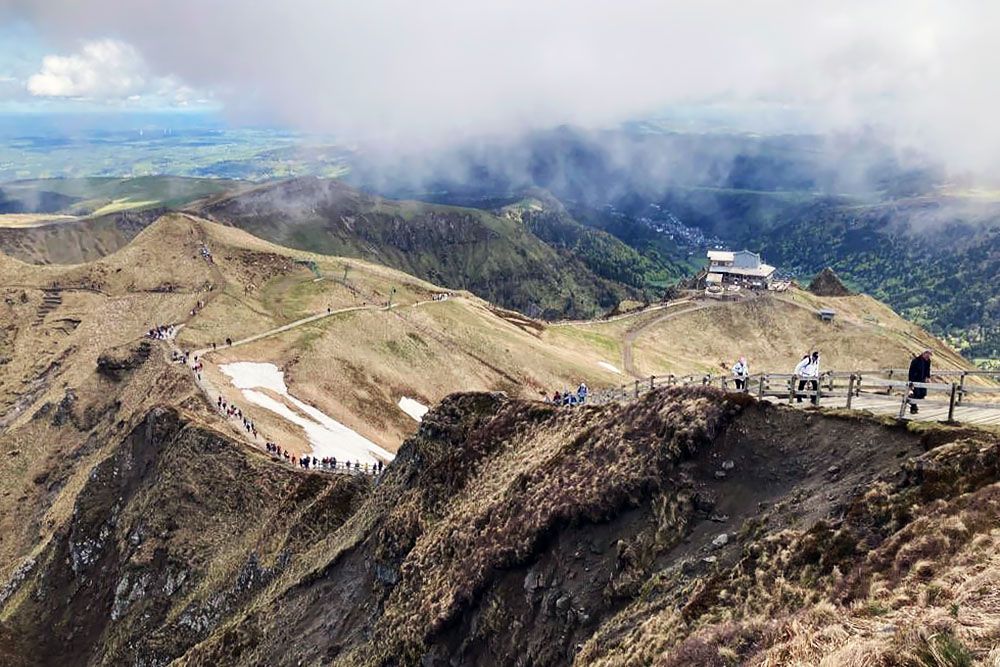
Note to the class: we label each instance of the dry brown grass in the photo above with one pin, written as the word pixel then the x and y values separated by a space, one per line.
pixel 533 469
pixel 924 594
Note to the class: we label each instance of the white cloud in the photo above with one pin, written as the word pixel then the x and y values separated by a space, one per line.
pixel 101 69
pixel 398 69
pixel 107 70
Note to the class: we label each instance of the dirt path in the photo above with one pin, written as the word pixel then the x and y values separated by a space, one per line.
pixel 623 316
pixel 628 341
pixel 307 320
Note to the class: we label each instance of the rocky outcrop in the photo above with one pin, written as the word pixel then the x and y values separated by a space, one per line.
pixel 170 536
pixel 827 283
pixel 517 533
pixel 115 366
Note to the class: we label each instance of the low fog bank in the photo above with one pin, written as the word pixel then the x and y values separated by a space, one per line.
pixel 601 167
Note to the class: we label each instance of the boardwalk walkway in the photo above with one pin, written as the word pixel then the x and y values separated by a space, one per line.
pixel 968 397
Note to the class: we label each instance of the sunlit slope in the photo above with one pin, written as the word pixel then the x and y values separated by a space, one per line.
pixel 773 332
pixel 357 365
pixel 389 336
pixel 76 220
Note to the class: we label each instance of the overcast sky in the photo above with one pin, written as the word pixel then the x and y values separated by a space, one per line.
pixel 427 71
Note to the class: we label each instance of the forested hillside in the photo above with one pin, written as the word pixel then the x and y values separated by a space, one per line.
pixel 939 271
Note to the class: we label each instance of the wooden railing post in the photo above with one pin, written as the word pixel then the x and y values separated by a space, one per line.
pixel 637 389
pixel 791 388
pixel 905 401
pixel 850 390
pixel 961 388
pixel 951 402
pixel 652 382
pixel 760 388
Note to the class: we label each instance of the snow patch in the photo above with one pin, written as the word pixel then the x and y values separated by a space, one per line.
pixel 327 436
pixel 413 408
pixel 609 367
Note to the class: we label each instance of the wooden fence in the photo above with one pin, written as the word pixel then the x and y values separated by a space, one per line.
pixel 851 389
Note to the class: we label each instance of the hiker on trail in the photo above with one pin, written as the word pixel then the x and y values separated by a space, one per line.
pixel 920 371
pixel 229 342
pixel 582 391
pixel 741 371
pixel 801 372
pixel 807 371
pixel 557 398
pixel 213 344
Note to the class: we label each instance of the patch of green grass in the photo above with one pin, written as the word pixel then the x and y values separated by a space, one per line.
pixel 602 342
pixel 944 650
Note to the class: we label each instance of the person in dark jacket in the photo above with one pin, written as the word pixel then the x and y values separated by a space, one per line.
pixel 920 371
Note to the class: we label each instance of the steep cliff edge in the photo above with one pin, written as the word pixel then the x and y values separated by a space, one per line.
pixel 689 527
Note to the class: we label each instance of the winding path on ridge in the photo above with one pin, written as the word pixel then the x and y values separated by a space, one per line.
pixel 212 392
pixel 631 334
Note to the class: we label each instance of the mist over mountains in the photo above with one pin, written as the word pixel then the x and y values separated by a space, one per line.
pixel 599 167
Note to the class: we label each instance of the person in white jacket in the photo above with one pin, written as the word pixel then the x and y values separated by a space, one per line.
pixel 807 370
pixel 741 371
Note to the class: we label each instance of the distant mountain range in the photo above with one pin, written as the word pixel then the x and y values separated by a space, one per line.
pixel 569 223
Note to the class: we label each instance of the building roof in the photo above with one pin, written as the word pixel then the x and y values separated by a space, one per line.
pixel 762 271
pixel 720 255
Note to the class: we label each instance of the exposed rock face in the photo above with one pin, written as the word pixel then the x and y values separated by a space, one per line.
pixel 114 367
pixel 826 283
pixel 170 535
pixel 514 533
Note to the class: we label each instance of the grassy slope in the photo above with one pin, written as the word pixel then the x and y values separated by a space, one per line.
pixel 106 213
pixel 772 332
pixel 356 366
pixel 497 257
pixel 561 469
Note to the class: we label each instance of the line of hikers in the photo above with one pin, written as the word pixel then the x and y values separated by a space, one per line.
pixel 231 411
pixel 567 397
pixel 325 463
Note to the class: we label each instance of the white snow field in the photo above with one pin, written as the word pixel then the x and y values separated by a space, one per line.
pixel 327 436
pixel 413 408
